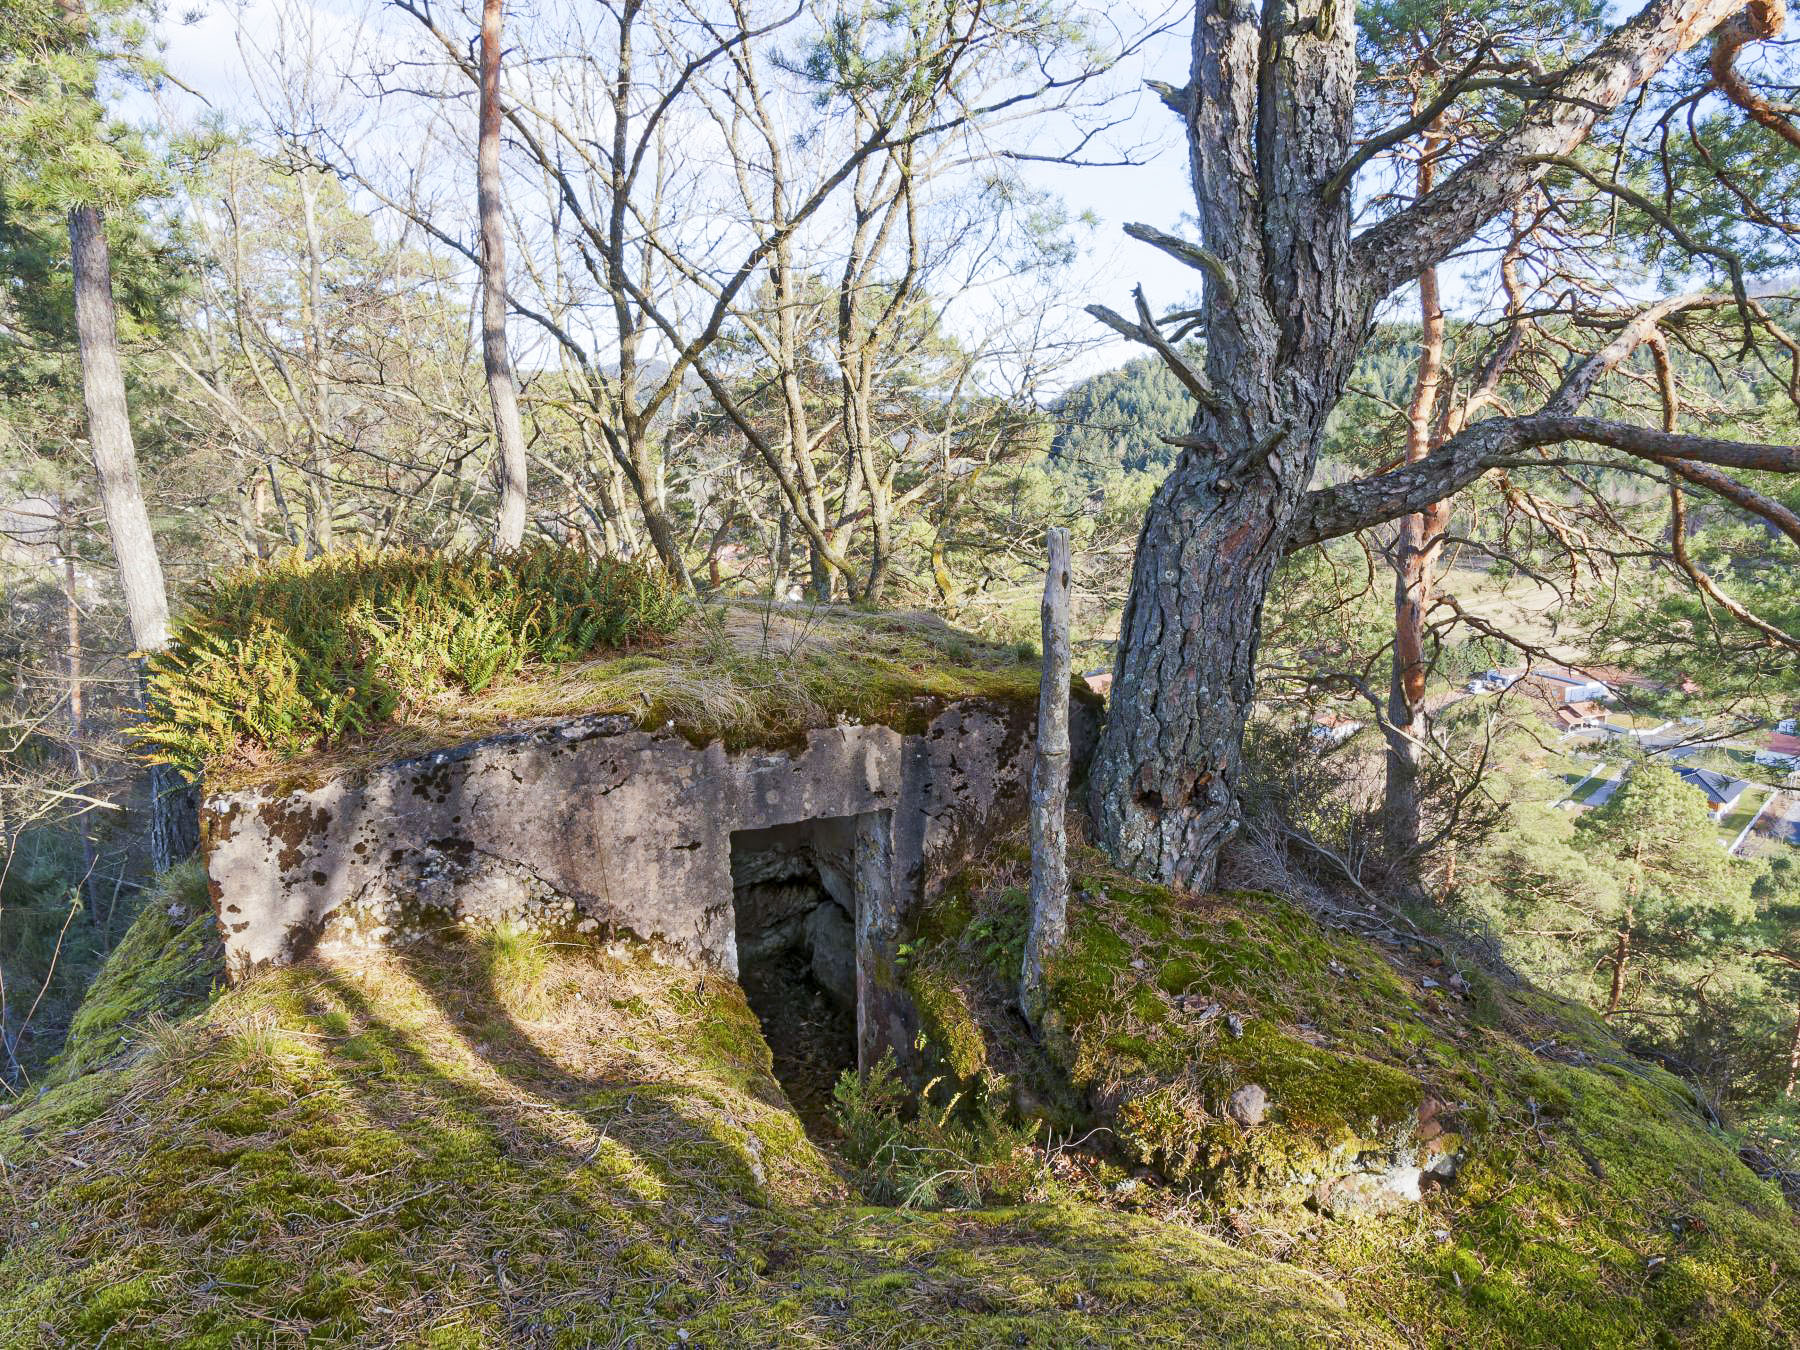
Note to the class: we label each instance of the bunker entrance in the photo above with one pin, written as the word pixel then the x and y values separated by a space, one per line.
pixel 794 888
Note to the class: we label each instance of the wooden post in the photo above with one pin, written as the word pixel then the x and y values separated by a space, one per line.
pixel 1049 788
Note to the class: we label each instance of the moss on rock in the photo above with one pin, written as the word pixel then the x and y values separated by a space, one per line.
pixel 167 962
pixel 947 1025
pixel 1514 1174
pixel 505 1139
pixel 734 671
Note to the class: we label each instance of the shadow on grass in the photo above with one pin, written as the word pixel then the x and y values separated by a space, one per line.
pixel 600 1175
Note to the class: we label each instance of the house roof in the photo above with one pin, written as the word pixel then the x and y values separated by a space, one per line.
pixel 1618 675
pixel 1717 787
pixel 1581 710
pixel 1784 745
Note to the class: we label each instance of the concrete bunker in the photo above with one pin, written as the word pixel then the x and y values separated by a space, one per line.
pixel 798 891
pixel 596 826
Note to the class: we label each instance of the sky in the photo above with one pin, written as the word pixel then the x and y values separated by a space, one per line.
pixel 206 45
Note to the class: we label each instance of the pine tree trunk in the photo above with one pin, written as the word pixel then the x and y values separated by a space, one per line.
pixel 510 468
pixel 1269 111
pixel 1285 318
pixel 1417 543
pixel 1620 957
pixel 1164 781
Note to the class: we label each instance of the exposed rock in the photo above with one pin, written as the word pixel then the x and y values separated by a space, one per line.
pixel 1363 1194
pixel 596 826
pixel 832 938
pixel 1248 1105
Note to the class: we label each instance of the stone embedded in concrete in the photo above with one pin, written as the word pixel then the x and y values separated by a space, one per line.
pixel 594 825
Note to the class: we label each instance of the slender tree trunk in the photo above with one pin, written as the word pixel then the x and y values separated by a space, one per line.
pixel 1793 1074
pixel 122 498
pixel 1620 957
pixel 72 658
pixel 1417 544
pixel 509 527
pixel 77 721
pixel 109 433
pixel 321 480
pixel 1049 788
pixel 1622 947
pixel 881 541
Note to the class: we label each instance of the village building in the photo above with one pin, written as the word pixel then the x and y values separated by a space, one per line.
pixel 1721 790
pixel 1782 751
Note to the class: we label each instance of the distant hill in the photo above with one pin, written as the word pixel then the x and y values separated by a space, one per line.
pixel 1114 423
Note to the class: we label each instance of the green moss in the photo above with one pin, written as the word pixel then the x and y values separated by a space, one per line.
pixel 737 673
pixel 949 1027
pixel 1592 1203
pixel 167 962
pixel 350 1154
pixel 447 1144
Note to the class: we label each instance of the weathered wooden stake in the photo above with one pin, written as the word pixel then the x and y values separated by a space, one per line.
pixel 1049 787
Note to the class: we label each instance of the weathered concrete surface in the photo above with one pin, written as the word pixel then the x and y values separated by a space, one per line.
pixel 596 825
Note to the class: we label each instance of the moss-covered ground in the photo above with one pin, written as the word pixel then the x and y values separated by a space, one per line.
pixel 1594 1203
pixel 511 1143
pixel 504 1141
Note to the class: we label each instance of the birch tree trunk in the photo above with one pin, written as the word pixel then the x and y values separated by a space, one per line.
pixel 509 436
pixel 1049 788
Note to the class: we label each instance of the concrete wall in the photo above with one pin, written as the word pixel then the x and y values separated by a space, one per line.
pixel 596 825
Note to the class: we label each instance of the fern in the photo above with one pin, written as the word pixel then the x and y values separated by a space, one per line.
pixel 287 657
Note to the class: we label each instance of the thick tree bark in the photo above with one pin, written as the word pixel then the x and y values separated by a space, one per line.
pixel 509 435
pixel 1288 299
pixel 1284 323
pixel 1049 787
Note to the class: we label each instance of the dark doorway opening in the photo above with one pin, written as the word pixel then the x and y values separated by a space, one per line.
pixel 794 892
